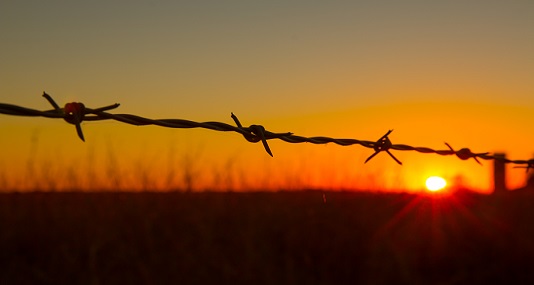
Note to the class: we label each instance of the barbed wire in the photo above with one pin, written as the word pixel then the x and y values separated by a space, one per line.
pixel 75 113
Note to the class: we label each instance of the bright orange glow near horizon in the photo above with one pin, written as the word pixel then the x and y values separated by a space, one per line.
pixel 433 72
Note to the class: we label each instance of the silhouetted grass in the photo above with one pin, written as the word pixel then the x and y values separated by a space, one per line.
pixel 265 238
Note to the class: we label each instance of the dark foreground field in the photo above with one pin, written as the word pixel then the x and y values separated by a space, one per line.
pixel 265 238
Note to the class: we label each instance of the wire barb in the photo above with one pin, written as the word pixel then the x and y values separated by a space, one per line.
pixel 75 113
pixel 383 144
pixel 466 153
pixel 256 133
pixel 528 167
pixel 52 102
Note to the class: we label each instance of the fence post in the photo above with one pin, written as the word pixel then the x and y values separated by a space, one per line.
pixel 499 173
pixel 530 178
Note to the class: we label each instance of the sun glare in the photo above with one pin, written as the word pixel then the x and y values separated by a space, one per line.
pixel 435 183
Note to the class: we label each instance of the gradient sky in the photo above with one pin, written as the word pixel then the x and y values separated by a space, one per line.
pixel 434 71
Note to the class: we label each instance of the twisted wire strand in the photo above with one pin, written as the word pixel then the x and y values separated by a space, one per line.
pixel 75 113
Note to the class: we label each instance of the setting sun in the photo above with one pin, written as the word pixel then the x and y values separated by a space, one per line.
pixel 435 183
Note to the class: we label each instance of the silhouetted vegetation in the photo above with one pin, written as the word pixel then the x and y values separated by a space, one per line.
pixel 265 238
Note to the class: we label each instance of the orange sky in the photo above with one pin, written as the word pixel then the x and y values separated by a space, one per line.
pixel 434 72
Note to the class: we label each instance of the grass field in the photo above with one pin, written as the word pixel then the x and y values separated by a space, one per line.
pixel 265 238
